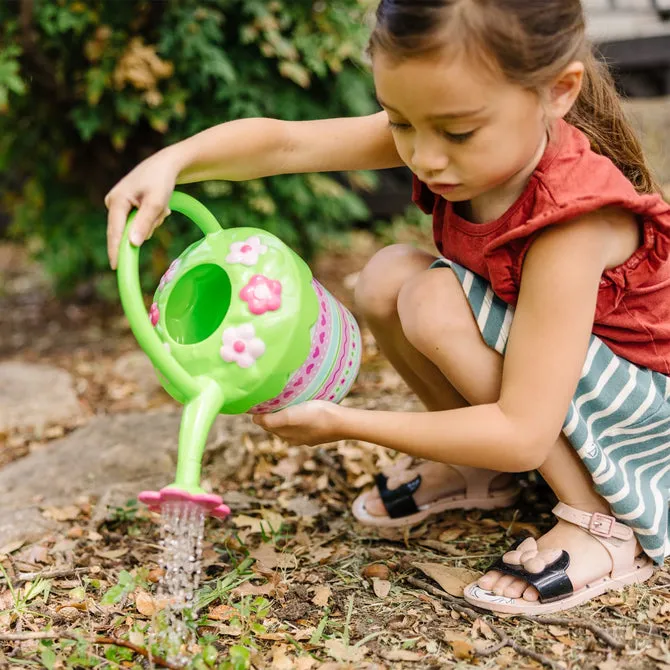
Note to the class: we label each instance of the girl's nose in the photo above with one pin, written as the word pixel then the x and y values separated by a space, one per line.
pixel 428 157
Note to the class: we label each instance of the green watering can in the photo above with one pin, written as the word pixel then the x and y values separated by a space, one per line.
pixel 238 324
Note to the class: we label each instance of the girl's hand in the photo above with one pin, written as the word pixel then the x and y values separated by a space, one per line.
pixel 148 188
pixel 311 423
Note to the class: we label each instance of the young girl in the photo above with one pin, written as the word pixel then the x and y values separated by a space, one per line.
pixel 540 338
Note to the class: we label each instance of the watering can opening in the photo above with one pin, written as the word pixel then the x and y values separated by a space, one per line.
pixel 198 303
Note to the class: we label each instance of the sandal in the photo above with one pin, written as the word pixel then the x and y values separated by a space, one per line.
pixel 403 510
pixel 556 591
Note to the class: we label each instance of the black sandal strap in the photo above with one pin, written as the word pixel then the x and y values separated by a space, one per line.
pixel 552 583
pixel 398 502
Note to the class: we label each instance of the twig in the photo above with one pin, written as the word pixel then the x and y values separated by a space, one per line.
pixel 577 623
pixel 56 635
pixel 48 574
pixel 505 640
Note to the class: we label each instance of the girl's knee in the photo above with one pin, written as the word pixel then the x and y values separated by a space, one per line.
pixel 433 309
pixel 383 277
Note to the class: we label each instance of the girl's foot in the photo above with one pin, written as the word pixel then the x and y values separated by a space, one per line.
pixel 583 556
pixel 406 496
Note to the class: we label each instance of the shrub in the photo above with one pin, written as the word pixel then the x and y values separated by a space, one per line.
pixel 88 89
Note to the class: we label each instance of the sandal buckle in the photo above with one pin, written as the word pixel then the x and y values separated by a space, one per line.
pixel 601 525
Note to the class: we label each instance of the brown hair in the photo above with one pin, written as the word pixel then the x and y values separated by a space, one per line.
pixel 531 42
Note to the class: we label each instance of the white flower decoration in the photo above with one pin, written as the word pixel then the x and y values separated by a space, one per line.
pixel 246 252
pixel 241 346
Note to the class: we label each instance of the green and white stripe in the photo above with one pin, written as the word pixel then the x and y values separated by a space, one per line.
pixel 618 421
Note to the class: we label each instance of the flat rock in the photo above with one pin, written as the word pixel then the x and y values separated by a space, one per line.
pixel 111 458
pixel 33 396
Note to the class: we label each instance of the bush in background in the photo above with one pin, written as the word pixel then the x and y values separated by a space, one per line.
pixel 88 89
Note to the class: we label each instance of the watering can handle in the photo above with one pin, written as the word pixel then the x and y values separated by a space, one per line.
pixel 131 294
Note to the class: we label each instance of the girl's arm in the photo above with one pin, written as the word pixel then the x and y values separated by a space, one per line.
pixel 245 149
pixel 546 351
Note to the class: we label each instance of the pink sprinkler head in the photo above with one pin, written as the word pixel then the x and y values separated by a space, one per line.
pixel 210 503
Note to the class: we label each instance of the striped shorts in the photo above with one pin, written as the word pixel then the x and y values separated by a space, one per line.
pixel 618 421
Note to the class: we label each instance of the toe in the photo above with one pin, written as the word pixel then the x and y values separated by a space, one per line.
pixel 516 589
pixel 531 594
pixel 502 584
pixel 374 505
pixel 488 581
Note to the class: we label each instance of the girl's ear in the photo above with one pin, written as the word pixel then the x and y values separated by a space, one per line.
pixel 564 90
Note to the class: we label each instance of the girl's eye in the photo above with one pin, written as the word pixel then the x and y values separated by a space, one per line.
pixel 458 138
pixel 399 126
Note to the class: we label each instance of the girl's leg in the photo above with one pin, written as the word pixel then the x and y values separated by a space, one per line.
pixel 377 292
pixel 450 338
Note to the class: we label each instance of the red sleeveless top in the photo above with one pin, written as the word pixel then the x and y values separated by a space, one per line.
pixel 633 309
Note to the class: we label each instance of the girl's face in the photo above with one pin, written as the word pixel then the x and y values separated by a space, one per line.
pixel 462 130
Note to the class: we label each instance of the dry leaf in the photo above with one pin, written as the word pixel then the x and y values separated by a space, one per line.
pixel 515 528
pixel 320 555
pixel 271 522
pixel 343 652
pixel 144 603
pixel 222 612
pixel 321 595
pixel 381 587
pixel 304 507
pixel 270 559
pixel 378 570
pixel 280 661
pixel 450 534
pixel 305 663
pixel 481 628
pixel 609 664
pixel 67 513
pixel 463 649
pixel 452 580
pixel 11 547
pixel 401 655
pixel 557 631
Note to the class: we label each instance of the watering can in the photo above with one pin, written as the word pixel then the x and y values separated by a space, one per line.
pixel 237 324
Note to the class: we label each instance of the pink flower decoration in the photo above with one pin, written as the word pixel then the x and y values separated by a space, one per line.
pixel 154 314
pixel 262 294
pixel 169 274
pixel 241 346
pixel 246 252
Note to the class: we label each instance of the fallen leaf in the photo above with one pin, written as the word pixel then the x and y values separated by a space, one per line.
pixel 320 555
pixel 401 655
pixel 271 522
pixel 481 628
pixel 302 506
pixel 450 534
pixel 557 631
pixel 305 663
pixel 67 513
pixel 270 559
pixel 280 661
pixel 463 649
pixel 452 580
pixel 515 528
pixel 321 595
pixel 343 652
pixel 11 547
pixel 381 587
pixel 378 570
pixel 609 664
pixel 222 612
pixel 144 603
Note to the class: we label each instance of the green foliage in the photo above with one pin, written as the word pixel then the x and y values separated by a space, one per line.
pixel 88 89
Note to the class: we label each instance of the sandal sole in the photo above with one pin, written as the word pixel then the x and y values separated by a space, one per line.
pixel 488 600
pixel 498 499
